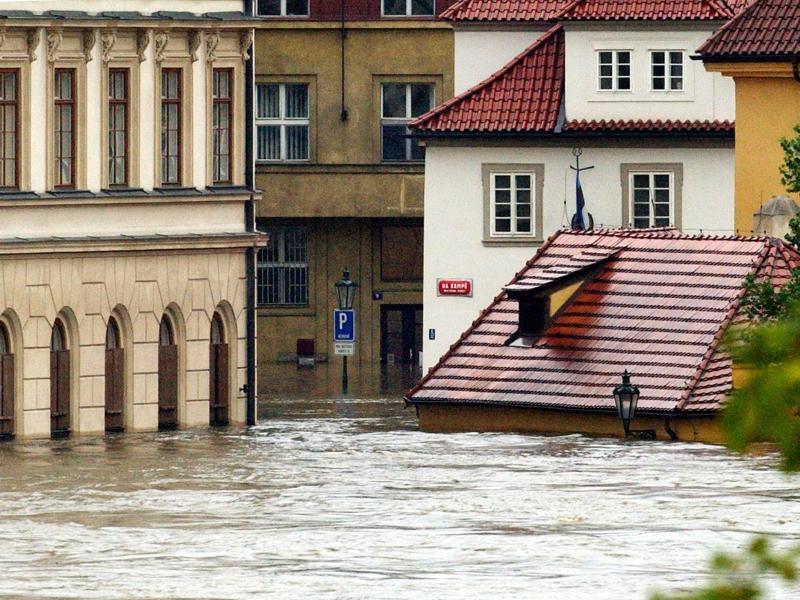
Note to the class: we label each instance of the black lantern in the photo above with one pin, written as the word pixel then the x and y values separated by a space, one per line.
pixel 626 397
pixel 346 291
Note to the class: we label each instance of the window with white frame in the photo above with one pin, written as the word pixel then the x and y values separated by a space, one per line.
pixel 282 8
pixel 512 208
pixel 666 69
pixel 283 268
pixel 401 103
pixel 614 70
pixel 652 199
pixel 282 123
pixel 407 8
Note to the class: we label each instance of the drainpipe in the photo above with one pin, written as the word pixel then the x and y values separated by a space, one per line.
pixel 670 432
pixel 796 68
pixel 344 114
pixel 250 227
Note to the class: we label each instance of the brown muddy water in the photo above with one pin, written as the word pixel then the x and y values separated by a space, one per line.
pixel 345 498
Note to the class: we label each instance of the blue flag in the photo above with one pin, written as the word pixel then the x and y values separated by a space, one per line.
pixel 582 219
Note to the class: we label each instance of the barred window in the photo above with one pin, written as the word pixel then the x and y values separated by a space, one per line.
pixel 283 268
pixel 282 121
pixel 407 8
pixel 9 120
pixel 283 8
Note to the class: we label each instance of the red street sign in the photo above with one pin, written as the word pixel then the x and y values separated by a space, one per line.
pixel 454 287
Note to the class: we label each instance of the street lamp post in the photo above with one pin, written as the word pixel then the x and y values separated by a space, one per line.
pixel 345 296
pixel 626 398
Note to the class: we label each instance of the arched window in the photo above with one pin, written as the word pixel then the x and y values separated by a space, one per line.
pixel 167 376
pixel 219 374
pixel 115 378
pixel 6 384
pixel 60 361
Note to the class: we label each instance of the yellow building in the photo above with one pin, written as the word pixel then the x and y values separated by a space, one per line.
pixel 342 186
pixel 760 50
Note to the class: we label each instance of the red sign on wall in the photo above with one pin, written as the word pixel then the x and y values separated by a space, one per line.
pixel 454 287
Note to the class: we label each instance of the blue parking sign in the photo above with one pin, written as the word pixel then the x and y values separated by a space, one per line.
pixel 344 326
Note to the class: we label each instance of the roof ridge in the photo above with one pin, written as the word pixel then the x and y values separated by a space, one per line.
pixel 733 310
pixel 463 96
pixel 497 299
pixel 722 10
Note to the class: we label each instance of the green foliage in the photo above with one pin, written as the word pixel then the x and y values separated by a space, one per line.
pixel 790 169
pixel 761 302
pixel 738 577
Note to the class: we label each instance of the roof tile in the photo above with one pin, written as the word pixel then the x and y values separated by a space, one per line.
pixel 658 306
pixel 767 29
pixel 646 10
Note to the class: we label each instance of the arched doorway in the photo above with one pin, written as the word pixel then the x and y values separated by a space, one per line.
pixel 219 373
pixel 60 360
pixel 6 384
pixel 115 377
pixel 167 376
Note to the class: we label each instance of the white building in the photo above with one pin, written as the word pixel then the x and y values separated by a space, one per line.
pixel 126 251
pixel 612 81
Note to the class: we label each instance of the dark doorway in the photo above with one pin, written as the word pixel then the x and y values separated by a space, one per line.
pixel 6 385
pixel 167 376
pixel 219 369
pixel 401 334
pixel 59 381
pixel 115 378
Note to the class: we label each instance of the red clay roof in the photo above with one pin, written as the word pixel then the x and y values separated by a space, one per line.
pixel 658 307
pixel 656 126
pixel 505 10
pixel 646 10
pixel 523 96
pixel 767 29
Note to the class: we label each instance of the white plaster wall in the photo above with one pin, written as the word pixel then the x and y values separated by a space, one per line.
pixel 481 53
pixel 38 124
pixel 706 96
pixel 454 216
pixel 143 6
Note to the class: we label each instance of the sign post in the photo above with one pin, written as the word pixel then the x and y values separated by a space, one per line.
pixel 344 338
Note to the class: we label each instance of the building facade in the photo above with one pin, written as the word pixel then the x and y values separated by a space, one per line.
pixel 609 83
pixel 336 85
pixel 123 230
pixel 767 78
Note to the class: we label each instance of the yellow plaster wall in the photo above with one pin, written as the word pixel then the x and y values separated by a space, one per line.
pixel 453 419
pixel 767 108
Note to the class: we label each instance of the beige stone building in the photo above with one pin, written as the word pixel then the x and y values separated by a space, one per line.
pixel 124 242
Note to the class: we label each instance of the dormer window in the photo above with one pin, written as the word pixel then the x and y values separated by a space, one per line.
pixel 666 68
pixel 407 8
pixel 534 317
pixel 614 70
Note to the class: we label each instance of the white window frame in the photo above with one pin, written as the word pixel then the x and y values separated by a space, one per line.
pixel 283 121
pixel 283 11
pixel 404 120
pixel 409 6
pixel 651 189
pixel 513 234
pixel 668 77
pixel 615 76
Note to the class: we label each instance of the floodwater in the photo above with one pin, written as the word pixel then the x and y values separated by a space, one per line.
pixel 345 498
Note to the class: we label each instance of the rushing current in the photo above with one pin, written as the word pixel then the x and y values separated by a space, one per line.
pixel 345 498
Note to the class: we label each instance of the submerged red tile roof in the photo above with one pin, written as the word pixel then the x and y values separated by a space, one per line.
pixel 653 126
pixel 646 10
pixel 767 29
pixel 523 96
pixel 505 10
pixel 658 304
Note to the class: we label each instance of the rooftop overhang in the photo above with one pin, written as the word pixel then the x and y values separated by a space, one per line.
pixel 778 66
